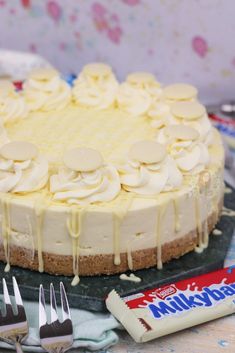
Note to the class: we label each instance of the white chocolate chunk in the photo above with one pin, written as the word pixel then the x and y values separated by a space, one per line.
pixel 180 91
pixel 148 152
pixel 42 74
pixel 83 159
pixel 188 110
pixel 19 151
pixel 97 70
pixel 181 132
pixel 140 77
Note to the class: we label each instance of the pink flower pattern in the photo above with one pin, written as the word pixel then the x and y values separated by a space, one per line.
pixel 130 35
pixel 106 22
pixel 54 10
pixel 200 46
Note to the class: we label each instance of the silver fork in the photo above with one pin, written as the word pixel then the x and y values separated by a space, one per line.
pixel 56 337
pixel 13 325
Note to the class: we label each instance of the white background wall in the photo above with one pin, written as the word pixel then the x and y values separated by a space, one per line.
pixel 178 40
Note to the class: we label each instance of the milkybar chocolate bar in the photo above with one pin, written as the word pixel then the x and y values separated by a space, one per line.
pixel 160 311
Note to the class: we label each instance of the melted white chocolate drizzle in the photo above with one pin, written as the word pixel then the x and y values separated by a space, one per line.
pixel 6 228
pixel 132 278
pixel 74 226
pixel 217 232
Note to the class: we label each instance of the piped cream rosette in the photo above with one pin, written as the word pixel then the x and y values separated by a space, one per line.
pixel 85 178
pixel 12 104
pixel 146 81
pixel 193 114
pixel 136 95
pixel 184 145
pixel 45 90
pixel 22 169
pixel 160 110
pixel 149 170
pixel 95 87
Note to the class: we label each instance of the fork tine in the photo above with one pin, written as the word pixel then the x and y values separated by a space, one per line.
pixel 64 303
pixel 18 298
pixel 6 293
pixel 42 310
pixel 54 316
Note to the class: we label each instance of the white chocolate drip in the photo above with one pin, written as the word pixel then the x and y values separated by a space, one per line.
pixel 75 281
pixel 129 258
pixel 118 217
pixel 217 232
pixel 7 268
pixel 30 231
pixel 39 212
pixel 177 219
pixel 6 228
pixel 117 225
pixel 74 225
pixel 131 278
pixel 201 244
pixel 161 214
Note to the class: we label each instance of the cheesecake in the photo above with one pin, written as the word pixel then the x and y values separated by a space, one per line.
pixel 104 176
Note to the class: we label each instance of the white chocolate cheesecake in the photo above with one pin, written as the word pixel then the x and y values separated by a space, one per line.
pixel 104 177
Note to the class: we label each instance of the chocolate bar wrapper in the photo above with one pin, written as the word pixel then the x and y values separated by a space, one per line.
pixel 161 311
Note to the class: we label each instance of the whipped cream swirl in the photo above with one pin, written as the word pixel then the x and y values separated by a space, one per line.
pixel 85 187
pixel 135 101
pixel 136 95
pixel 22 175
pixel 12 104
pixel 95 87
pixel 147 82
pixel 45 90
pixel 184 145
pixel 145 176
pixel 85 178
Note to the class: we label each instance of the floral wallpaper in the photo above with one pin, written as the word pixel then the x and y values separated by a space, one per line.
pixel 177 40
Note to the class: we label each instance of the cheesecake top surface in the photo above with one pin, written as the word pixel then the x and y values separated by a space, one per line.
pixel 100 139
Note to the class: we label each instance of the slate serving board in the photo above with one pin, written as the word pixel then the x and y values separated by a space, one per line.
pixel 91 291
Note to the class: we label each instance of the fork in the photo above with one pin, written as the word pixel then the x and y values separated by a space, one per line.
pixel 13 325
pixel 56 337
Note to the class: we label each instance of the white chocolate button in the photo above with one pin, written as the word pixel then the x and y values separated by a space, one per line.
pixel 188 110
pixel 83 159
pixel 6 87
pixel 19 151
pixel 97 69
pixel 180 91
pixel 43 74
pixel 148 152
pixel 140 77
pixel 181 132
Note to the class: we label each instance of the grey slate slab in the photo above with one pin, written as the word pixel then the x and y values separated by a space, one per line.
pixel 91 291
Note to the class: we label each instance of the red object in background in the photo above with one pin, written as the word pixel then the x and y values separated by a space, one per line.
pixel 26 3
pixel 18 85
pixel 217 119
